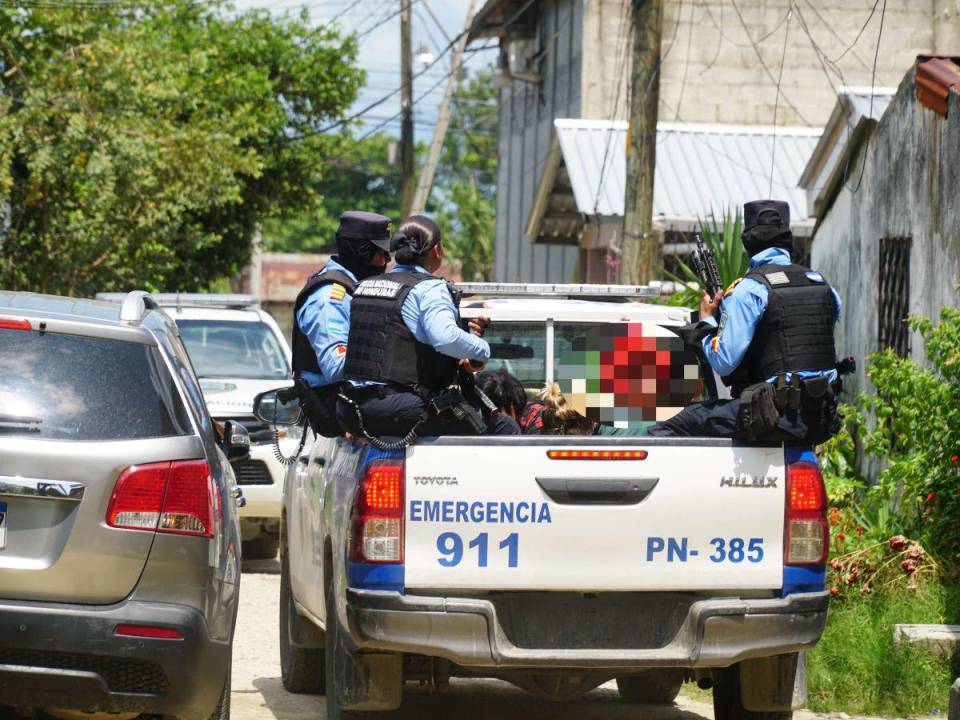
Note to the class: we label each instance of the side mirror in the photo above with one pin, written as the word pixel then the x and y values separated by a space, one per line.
pixel 236 441
pixel 278 407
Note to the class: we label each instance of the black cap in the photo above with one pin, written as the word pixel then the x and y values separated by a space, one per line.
pixel 759 212
pixel 360 225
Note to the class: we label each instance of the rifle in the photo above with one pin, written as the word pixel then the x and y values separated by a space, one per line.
pixel 705 267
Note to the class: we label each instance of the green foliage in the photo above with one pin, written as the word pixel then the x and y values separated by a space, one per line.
pixel 142 146
pixel 360 178
pixel 856 668
pixel 466 179
pixel 723 239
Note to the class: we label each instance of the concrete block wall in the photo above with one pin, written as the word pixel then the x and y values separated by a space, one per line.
pixel 712 72
pixel 908 190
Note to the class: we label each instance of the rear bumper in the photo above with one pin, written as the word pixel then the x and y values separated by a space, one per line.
pixel 715 633
pixel 67 656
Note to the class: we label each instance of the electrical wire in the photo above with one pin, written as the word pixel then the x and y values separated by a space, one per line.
pixel 776 102
pixel 873 85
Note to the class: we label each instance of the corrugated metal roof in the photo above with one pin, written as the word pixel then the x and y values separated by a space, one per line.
pixel 700 168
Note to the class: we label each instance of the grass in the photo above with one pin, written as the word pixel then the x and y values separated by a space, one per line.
pixel 856 668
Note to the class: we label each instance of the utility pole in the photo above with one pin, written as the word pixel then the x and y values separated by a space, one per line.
pixel 640 256
pixel 406 109
pixel 425 182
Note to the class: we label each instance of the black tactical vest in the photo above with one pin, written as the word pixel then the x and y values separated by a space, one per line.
pixel 381 346
pixel 796 330
pixel 304 356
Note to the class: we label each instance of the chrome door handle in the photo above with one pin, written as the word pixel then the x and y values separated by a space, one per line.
pixel 41 489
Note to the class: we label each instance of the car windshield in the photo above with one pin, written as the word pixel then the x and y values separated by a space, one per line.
pixel 231 349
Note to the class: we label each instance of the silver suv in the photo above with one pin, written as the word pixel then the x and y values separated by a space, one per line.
pixel 119 537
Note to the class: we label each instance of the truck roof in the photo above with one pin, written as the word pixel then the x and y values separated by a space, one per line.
pixel 540 309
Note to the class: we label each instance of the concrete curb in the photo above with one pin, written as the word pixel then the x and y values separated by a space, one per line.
pixel 955 701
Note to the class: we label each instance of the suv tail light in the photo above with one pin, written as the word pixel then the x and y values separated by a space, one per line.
pixel 168 497
pixel 377 521
pixel 807 536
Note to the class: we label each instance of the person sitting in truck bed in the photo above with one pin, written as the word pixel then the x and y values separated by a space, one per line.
pixel 773 344
pixel 404 348
pixel 508 394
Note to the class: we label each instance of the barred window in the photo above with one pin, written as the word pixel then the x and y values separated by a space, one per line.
pixel 894 305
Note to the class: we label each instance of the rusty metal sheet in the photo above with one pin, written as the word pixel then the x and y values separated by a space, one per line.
pixel 936 75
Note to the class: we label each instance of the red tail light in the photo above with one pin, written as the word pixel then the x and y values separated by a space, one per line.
pixel 12 323
pixel 377 521
pixel 148 631
pixel 168 497
pixel 597 454
pixel 806 535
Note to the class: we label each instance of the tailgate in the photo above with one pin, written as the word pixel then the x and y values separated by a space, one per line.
pixel 508 516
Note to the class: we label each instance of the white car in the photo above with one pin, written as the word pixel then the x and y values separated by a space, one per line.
pixel 238 351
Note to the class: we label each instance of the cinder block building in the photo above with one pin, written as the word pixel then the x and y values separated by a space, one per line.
pixel 721 66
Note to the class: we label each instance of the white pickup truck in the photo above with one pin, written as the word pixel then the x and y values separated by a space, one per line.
pixel 559 562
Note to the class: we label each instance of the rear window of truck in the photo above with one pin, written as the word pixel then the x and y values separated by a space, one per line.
pixel 620 374
pixel 76 387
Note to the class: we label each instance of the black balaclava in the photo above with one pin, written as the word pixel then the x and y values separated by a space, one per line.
pixel 357 256
pixel 766 225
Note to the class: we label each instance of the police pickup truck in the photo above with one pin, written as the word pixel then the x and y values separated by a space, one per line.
pixel 558 563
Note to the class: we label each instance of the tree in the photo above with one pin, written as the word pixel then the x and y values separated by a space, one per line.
pixel 466 181
pixel 361 178
pixel 142 146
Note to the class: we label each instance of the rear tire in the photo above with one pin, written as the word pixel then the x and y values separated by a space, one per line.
pixel 222 710
pixel 301 669
pixel 651 687
pixel 262 547
pixel 728 704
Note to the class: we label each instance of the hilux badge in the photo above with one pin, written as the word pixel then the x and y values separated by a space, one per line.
pixel 749 481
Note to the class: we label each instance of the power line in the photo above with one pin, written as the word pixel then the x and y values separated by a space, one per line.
pixel 776 102
pixel 873 84
pixel 383 21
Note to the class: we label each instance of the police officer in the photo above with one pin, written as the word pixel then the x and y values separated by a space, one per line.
pixel 405 348
pixel 322 313
pixel 773 344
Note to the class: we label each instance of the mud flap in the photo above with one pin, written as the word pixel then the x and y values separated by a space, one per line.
pixel 774 684
pixel 367 681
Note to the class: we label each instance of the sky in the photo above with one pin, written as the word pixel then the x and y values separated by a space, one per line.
pixel 378 24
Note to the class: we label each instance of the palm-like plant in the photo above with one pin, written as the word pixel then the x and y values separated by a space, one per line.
pixel 723 239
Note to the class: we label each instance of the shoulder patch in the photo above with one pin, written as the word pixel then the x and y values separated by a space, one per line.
pixel 815 276
pixel 379 288
pixel 732 286
pixel 341 349
pixel 337 292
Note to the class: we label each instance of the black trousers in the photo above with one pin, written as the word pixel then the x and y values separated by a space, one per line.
pixel 718 418
pixel 396 413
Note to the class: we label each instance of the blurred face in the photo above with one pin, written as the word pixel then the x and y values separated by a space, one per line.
pixel 381 258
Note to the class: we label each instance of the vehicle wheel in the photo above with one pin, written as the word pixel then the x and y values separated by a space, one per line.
pixel 301 669
pixel 727 703
pixel 262 547
pixel 652 687
pixel 222 711
pixel 336 658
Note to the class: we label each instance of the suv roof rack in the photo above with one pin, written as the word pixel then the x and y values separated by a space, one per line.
pixel 612 293
pixel 134 305
pixel 232 301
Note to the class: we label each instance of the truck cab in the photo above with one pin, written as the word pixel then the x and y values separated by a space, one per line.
pixel 559 563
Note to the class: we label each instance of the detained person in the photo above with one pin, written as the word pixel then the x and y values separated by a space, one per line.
pixel 322 313
pixel 773 345
pixel 406 345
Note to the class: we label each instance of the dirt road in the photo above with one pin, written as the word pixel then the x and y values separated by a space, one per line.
pixel 259 695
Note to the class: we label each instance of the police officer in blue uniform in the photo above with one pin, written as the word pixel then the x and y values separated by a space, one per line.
pixel 322 314
pixel 773 345
pixel 406 349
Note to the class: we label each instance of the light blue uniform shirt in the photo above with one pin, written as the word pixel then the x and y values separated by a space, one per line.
pixel 739 314
pixel 429 313
pixel 325 319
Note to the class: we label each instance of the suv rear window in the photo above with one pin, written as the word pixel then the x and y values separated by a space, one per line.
pixel 76 387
